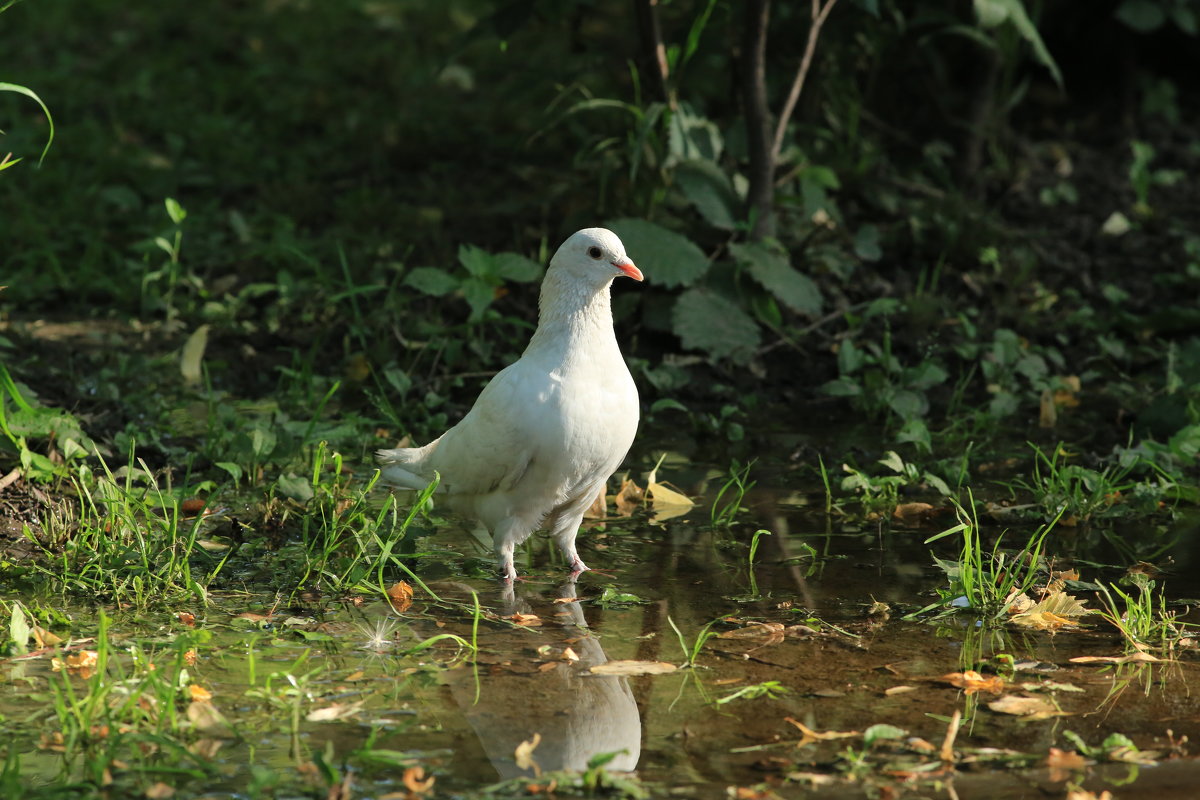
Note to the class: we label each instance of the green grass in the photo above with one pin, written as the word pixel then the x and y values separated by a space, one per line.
pixel 986 579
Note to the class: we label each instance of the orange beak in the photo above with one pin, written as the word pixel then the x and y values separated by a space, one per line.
pixel 629 268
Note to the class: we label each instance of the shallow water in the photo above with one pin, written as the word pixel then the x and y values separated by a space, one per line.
pixel 838 670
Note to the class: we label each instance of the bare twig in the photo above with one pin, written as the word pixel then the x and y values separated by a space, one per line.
pixel 8 479
pixel 760 197
pixel 652 54
pixel 819 15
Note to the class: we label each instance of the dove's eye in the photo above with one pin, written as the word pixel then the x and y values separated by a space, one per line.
pixel 595 252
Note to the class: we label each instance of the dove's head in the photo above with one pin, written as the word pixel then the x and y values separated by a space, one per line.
pixel 595 253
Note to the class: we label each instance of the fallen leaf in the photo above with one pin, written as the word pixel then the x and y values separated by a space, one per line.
pixel 334 712
pixel 193 355
pixel 810 736
pixel 1084 794
pixel 633 668
pixel 527 620
pixel 204 716
pixel 899 690
pixel 1016 705
pixel 193 506
pixel 186 618
pixel 1064 762
pixel 82 663
pixel 971 682
pixel 400 595
pixel 524 754
pixel 757 630
pixel 159 791
pixel 914 512
pixel 45 638
pixel 199 692
pixel 1132 658
pixel 628 498
pixel 570 655
pixel 206 748
pixel 416 782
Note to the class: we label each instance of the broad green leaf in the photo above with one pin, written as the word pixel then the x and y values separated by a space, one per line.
pixel 19 630
pixel 1014 11
pixel 293 486
pixel 866 243
pixel 707 321
pixel 668 259
pixel 477 260
pixel 479 295
pixel 908 405
pixel 842 387
pixel 1143 16
pixel 882 732
pixel 915 431
pixel 262 441
pixel 175 211
pixel 234 470
pixel 516 267
pixel 709 190
pixel 925 376
pixel 770 267
pixel 432 281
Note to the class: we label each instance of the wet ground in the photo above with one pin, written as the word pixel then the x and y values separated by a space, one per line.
pixel 841 663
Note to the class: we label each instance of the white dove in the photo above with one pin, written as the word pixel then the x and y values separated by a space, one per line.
pixel 546 433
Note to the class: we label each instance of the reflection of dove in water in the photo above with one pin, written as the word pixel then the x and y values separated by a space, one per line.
pixel 546 433
pixel 577 715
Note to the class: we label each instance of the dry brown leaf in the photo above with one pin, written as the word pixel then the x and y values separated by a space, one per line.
pixel 757 630
pixel 914 512
pixel 45 638
pixel 159 791
pixel 206 748
pixel 971 682
pixel 899 690
pixel 334 712
pixel 810 736
pixel 527 620
pixel 628 498
pixel 1084 794
pixel 1047 410
pixel 199 693
pixel 524 754
pixel 1132 658
pixel 549 665
pixel 570 655
pixel 400 595
pixel 204 716
pixel 561 600
pixel 416 782
pixel 1038 707
pixel 633 668
pixel 1064 762
pixel 186 618
pixel 82 663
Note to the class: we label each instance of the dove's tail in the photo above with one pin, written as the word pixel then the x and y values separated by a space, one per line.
pixel 400 467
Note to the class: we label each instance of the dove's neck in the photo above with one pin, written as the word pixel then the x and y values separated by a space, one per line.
pixel 574 318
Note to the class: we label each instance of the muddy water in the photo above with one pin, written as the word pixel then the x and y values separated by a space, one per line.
pixel 838 669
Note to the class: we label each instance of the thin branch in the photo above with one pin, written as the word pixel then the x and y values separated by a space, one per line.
pixel 819 15
pixel 760 197
pixel 652 53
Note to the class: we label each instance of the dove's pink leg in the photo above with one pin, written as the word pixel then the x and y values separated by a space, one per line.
pixel 565 529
